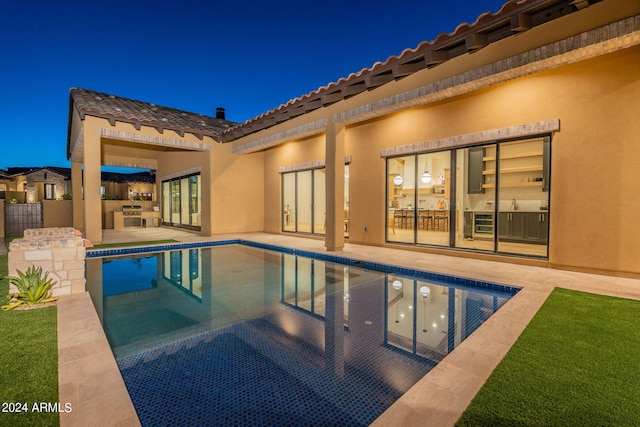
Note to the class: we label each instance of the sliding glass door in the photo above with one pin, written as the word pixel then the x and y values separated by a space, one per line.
pixel 304 201
pixel 181 202
pixel 492 197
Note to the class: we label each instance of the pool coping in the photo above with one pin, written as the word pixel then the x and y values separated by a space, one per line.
pixel 444 392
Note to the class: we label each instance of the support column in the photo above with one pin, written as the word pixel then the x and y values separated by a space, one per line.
pixel 91 182
pixel 334 163
pixel 76 194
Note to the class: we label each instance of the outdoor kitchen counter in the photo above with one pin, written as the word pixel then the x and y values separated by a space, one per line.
pixel 119 223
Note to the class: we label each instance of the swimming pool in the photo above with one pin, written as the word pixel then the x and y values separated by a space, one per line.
pixel 245 335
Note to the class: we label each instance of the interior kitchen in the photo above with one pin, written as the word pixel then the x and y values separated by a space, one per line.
pixel 497 200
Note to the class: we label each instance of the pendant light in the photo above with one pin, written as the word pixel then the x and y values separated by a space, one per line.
pixel 426 176
pixel 398 180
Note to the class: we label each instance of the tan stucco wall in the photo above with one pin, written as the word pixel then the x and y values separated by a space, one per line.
pixel 237 191
pixel 595 156
pixel 57 213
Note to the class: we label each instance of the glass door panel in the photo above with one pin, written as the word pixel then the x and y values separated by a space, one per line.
pixel 523 199
pixel 175 202
pixel 319 201
pixel 401 200
pixel 195 202
pixel 289 202
pixel 304 202
pixel 475 197
pixel 185 218
pixel 433 218
pixel 166 202
pixel 346 200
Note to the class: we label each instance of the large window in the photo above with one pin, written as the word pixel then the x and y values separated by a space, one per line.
pixel 181 202
pixel 497 200
pixel 49 191
pixel 304 201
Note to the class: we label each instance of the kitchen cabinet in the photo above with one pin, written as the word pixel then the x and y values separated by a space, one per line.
pixel 536 227
pixel 523 227
pixel 511 225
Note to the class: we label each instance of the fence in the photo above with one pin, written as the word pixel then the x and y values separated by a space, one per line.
pixel 21 216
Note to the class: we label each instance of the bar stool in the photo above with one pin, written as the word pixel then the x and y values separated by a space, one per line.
pixel 398 217
pixel 409 217
pixel 442 219
pixel 426 218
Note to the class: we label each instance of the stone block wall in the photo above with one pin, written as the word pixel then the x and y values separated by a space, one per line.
pixel 59 251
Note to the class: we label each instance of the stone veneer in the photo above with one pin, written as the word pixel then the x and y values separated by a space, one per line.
pixel 59 251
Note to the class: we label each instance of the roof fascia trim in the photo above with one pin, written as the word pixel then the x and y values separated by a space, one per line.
pixel 315 164
pixel 131 165
pixel 523 130
pixel 590 44
pixel 302 131
pixel 153 140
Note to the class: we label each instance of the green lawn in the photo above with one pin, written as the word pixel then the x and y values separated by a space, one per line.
pixel 576 364
pixel 28 360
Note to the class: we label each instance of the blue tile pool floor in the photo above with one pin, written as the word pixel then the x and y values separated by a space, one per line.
pixel 252 374
pixel 276 338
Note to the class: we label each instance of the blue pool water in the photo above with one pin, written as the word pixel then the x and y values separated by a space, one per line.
pixel 242 335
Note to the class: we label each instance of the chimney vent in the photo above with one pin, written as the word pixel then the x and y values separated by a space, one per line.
pixel 220 113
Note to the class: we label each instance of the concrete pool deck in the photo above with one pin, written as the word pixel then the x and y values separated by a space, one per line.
pixel 89 378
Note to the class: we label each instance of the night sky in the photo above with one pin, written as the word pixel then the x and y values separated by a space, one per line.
pixel 246 56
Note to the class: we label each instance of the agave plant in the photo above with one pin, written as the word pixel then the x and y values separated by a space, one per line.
pixel 33 288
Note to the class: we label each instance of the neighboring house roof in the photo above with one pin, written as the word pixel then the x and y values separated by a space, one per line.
pixel 5 176
pixel 514 17
pixel 15 171
pixel 138 113
pixel 137 177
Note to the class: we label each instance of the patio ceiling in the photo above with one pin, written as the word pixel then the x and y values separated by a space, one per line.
pixel 127 153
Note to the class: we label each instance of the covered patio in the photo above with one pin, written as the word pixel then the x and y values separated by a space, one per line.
pixel 105 130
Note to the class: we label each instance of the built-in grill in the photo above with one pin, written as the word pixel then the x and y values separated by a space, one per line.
pixel 132 215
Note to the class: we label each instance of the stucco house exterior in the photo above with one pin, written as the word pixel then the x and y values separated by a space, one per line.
pixel 513 138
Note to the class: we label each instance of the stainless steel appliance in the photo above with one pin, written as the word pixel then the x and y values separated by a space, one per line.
pixel 132 215
pixel 483 225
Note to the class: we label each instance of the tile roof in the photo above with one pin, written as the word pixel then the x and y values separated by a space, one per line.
pixel 118 109
pixel 515 16
pixel 25 170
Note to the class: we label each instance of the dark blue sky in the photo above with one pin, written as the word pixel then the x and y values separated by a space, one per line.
pixel 246 56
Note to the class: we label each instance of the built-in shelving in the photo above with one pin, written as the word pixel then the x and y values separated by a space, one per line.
pixel 515 184
pixel 514 156
pixel 514 170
